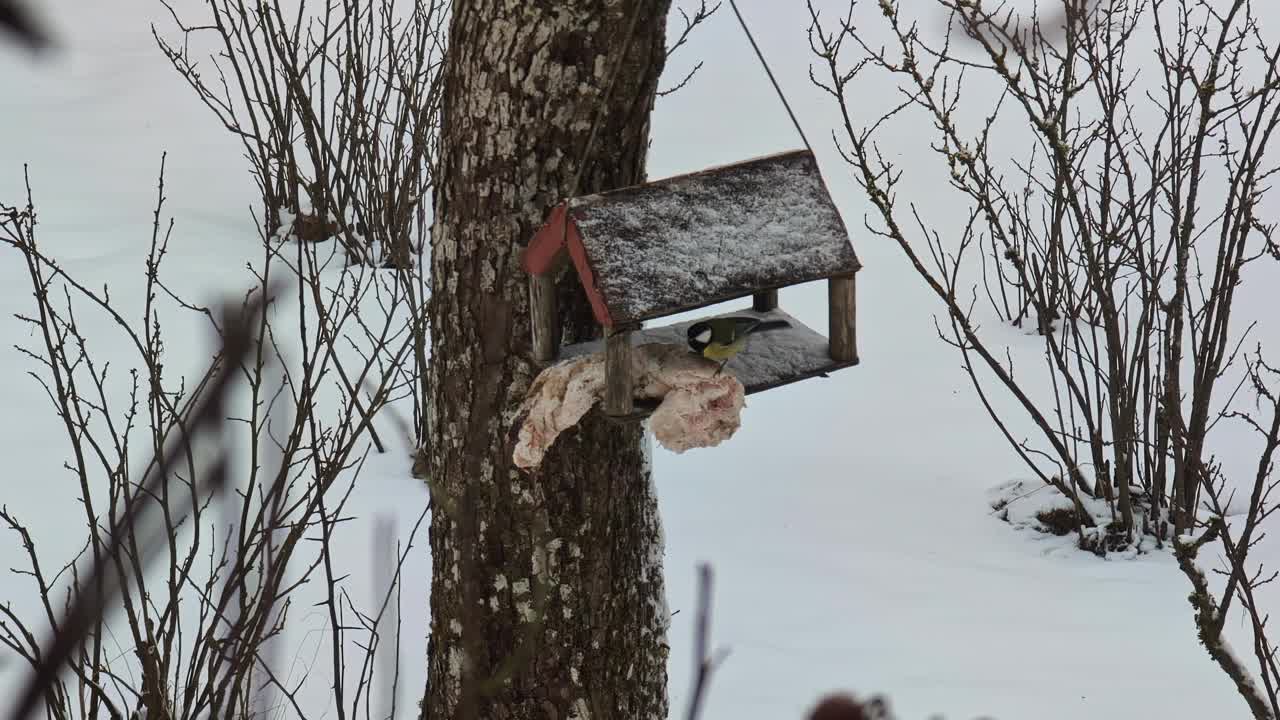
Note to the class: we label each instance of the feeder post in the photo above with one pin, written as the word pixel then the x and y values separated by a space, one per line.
pixel 765 300
pixel 617 371
pixel 544 320
pixel 840 312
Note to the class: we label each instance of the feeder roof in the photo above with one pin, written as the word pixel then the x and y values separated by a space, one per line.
pixel 693 240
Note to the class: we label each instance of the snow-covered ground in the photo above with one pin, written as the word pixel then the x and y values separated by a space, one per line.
pixel 848 521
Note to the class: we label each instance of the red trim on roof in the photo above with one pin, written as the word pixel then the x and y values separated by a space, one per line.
pixel 543 250
pixel 587 275
pixel 540 255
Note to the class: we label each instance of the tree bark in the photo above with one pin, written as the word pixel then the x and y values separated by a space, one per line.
pixel 547 598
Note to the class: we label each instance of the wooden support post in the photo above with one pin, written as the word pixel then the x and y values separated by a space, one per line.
pixel 617 372
pixel 765 301
pixel 841 310
pixel 544 320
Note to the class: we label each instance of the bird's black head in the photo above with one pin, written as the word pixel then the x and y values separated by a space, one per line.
pixel 699 336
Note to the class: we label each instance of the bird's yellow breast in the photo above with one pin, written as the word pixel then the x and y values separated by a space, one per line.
pixel 720 353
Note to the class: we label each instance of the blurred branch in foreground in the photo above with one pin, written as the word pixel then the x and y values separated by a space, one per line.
pixel 138 521
pixel 17 19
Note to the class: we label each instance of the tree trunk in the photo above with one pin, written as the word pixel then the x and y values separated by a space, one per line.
pixel 546 596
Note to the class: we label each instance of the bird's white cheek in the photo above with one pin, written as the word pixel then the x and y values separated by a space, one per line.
pixel 703 337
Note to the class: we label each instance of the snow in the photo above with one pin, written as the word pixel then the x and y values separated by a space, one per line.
pixel 1023 503
pixel 685 241
pixel 848 520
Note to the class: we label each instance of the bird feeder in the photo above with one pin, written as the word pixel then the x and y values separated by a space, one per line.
pixel 675 245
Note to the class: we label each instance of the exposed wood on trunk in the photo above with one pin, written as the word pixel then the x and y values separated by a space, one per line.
pixel 843 323
pixel 546 592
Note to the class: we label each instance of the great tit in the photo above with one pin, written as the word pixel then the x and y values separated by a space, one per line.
pixel 721 338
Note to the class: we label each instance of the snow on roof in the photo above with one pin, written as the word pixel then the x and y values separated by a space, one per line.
pixel 772 358
pixel 710 236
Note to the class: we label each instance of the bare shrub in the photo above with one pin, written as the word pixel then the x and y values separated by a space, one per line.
pixel 202 549
pixel 336 105
pixel 1123 235
pixel 1099 235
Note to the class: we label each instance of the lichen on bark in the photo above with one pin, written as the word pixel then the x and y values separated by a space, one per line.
pixel 550 577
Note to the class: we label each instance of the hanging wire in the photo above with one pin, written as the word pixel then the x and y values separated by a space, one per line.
pixel 733 4
pixel 576 187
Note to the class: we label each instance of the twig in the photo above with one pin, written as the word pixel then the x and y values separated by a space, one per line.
pixel 705 662
pixel 88 606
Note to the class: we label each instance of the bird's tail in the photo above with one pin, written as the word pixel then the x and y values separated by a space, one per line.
pixel 771 325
